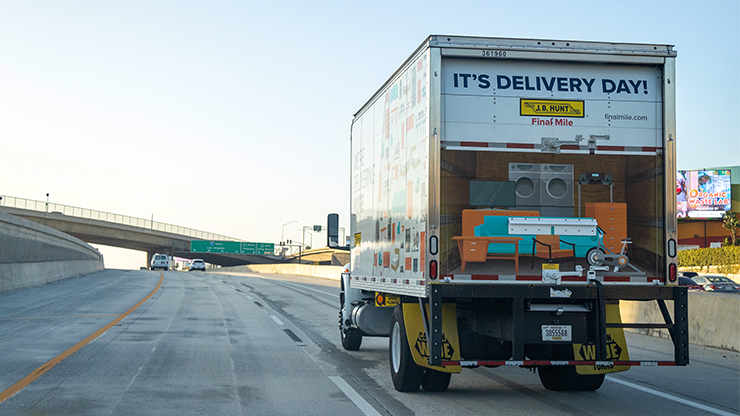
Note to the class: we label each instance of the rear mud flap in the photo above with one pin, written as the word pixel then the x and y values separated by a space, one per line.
pixel 416 335
pixel 616 347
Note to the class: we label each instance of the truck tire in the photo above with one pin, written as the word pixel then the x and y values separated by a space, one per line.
pixel 350 342
pixel 433 380
pixel 590 382
pixel 563 378
pixel 406 374
pixel 558 378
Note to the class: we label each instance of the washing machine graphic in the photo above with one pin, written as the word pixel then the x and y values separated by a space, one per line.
pixel 527 183
pixel 556 187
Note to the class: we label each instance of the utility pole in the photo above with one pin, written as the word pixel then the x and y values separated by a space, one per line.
pixel 282 233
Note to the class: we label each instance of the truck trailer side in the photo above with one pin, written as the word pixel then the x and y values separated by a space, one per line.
pixel 506 194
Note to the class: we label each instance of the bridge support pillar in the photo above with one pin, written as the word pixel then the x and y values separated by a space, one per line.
pixel 149 255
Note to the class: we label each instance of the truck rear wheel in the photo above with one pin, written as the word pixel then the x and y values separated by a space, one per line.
pixel 558 378
pixel 433 380
pixel 563 378
pixel 590 382
pixel 406 374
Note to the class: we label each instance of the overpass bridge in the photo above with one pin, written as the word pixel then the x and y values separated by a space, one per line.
pixel 123 231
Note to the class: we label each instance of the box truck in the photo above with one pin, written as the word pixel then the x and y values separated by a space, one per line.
pixel 506 195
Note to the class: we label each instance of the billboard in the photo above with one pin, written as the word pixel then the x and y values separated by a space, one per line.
pixel 702 194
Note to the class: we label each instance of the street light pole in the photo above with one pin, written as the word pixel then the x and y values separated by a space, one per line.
pixel 47 203
pixel 282 233
pixel 310 235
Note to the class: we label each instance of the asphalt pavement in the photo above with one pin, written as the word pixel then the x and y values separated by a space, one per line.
pixel 217 344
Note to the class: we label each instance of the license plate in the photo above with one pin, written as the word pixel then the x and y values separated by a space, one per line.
pixel 556 332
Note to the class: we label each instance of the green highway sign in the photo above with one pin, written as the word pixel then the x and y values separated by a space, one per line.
pixel 257 248
pixel 206 246
pixel 230 247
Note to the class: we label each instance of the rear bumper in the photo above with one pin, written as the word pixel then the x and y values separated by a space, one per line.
pixel 518 296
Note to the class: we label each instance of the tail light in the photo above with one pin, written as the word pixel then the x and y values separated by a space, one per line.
pixel 672 271
pixel 433 269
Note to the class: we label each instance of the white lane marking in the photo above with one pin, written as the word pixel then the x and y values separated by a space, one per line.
pixel 310 288
pixel 354 396
pixel 249 297
pixel 277 320
pixel 669 397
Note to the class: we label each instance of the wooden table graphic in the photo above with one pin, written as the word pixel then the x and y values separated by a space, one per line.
pixel 475 249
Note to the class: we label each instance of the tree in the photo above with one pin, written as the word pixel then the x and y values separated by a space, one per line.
pixel 730 221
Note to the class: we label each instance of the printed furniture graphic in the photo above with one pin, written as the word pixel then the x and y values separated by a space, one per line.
pixel 504 234
pixel 548 247
pixel 475 249
pixel 612 218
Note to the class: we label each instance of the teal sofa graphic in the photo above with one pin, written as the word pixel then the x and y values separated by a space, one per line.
pixel 579 231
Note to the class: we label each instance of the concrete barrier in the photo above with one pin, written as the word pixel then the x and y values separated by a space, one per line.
pixel 326 272
pixel 713 319
pixel 33 254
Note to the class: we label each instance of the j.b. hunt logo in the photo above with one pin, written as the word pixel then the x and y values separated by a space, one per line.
pixel 422 347
pixel 553 108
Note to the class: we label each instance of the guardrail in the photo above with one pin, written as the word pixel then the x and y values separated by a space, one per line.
pixel 59 209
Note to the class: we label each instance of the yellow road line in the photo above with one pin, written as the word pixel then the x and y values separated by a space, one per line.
pixel 58 317
pixel 15 388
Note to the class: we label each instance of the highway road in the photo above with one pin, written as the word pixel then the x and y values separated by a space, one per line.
pixel 190 343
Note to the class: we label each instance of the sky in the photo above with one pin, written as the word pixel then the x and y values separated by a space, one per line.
pixel 233 117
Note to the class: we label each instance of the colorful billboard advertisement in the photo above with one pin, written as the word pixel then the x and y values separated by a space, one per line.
pixel 702 194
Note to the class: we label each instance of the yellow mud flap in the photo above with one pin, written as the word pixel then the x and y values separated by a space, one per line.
pixel 416 336
pixel 616 347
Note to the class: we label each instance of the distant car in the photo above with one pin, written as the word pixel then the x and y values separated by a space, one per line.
pixel 712 283
pixel 160 261
pixel 198 264
pixel 690 284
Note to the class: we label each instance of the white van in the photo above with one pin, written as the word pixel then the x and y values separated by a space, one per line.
pixel 160 261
